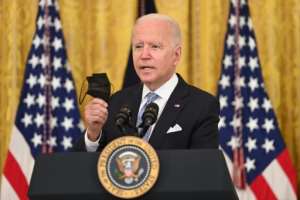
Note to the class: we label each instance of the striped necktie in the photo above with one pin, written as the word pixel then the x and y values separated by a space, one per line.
pixel 151 96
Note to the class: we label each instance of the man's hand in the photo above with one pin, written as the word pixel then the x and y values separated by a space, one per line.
pixel 95 115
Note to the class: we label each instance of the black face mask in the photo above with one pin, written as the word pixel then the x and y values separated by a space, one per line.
pixel 98 87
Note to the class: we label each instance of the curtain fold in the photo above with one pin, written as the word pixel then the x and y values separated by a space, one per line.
pixel 97 35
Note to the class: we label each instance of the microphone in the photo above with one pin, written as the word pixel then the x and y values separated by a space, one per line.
pixel 149 117
pixel 123 118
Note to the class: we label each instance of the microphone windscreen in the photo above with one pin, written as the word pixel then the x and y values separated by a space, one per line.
pixel 150 115
pixel 123 116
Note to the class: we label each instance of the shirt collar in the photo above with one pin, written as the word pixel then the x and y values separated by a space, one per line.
pixel 163 91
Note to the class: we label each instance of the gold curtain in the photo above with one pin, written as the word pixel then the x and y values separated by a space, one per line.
pixel 97 35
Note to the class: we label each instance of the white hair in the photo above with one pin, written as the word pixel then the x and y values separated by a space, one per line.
pixel 176 33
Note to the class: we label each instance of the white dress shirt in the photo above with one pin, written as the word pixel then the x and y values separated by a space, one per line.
pixel 164 92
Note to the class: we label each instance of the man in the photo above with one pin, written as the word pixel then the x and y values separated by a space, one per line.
pixel 187 116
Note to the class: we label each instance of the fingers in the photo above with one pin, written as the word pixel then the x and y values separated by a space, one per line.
pixel 97 103
pixel 96 112
pixel 95 115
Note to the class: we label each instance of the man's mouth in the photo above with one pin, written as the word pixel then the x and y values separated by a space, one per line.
pixel 146 67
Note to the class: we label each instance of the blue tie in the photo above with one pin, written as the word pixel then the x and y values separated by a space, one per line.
pixel 151 96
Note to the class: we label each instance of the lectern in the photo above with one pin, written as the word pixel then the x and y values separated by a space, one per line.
pixel 184 174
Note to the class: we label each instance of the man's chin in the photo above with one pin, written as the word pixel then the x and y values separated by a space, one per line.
pixel 147 79
pixel 152 84
pixel 147 82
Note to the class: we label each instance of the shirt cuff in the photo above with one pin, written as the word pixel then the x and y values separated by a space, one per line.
pixel 90 145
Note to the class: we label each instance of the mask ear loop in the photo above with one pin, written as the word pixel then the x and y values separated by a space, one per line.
pixel 80 95
pixel 112 88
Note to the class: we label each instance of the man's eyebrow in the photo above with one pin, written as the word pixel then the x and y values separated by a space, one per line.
pixel 156 43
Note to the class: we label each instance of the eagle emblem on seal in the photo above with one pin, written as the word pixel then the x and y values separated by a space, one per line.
pixel 128 164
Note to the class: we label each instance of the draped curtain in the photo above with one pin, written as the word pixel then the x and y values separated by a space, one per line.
pixel 97 35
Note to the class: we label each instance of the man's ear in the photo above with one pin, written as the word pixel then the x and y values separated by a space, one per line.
pixel 177 54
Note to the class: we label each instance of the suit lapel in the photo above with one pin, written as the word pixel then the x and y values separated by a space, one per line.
pixel 134 100
pixel 173 107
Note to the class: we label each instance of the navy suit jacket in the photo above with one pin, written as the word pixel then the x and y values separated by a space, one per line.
pixel 194 110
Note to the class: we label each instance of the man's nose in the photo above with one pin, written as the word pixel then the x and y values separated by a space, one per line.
pixel 145 53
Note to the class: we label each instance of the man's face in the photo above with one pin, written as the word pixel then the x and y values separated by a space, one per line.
pixel 155 54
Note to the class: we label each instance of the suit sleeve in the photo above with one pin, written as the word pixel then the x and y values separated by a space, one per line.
pixel 205 134
pixel 80 145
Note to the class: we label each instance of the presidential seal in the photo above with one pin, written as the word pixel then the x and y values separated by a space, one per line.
pixel 128 167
